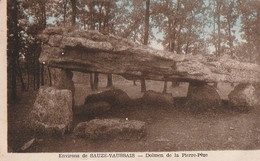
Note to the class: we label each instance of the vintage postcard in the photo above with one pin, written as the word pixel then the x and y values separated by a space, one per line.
pixel 130 80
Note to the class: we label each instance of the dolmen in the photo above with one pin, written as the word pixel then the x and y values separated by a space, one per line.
pixel 68 49
pixel 91 51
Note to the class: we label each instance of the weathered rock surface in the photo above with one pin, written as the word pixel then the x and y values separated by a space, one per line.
pixel 52 111
pixel 104 101
pixel 94 108
pixel 87 51
pixel 62 79
pixel 257 87
pixel 243 96
pixel 202 97
pixel 115 97
pixel 111 129
pixel 157 98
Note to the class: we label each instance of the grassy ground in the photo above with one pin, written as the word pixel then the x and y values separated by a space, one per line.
pixel 168 129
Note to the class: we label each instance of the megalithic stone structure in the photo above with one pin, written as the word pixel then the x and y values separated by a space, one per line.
pixel 91 51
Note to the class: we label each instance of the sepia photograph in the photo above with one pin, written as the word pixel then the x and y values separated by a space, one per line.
pixel 110 79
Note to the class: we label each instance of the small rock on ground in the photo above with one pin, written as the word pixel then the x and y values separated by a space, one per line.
pixel 111 129
pixel 114 97
pixel 157 98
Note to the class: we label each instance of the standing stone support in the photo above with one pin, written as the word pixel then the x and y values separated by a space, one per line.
pixel 202 97
pixel 164 87
pixel 243 96
pixel 91 80
pixel 52 111
pixel 109 80
pixel 62 79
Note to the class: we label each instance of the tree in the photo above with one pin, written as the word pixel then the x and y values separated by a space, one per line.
pixel 250 24
pixel 13 43
pixel 74 12
pixel 217 9
pixel 107 28
pixel 230 15
pixel 146 36
pixel 61 12
pixel 39 11
pixel 183 23
pixel 218 14
pixel 97 15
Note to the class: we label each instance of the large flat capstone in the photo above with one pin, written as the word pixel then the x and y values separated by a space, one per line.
pixel 111 129
pixel 52 111
pixel 91 51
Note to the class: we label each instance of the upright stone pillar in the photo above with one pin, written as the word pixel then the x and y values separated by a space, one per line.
pixel 243 97
pixel 62 79
pixel 52 111
pixel 202 97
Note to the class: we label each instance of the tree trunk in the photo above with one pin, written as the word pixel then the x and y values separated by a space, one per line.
pixel 188 40
pixel 214 29
pixel 65 12
pixel 146 36
pixel 230 39
pixel 44 15
pixel 28 75
pixel 178 44
pixel 147 17
pixel 38 73
pixel 42 74
pixel 109 80
pixel 84 19
pixel 173 29
pixel 50 79
pixel 74 12
pixel 34 72
pixel 218 19
pixel 170 34
pixel 13 50
pixel 13 93
pixel 19 71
